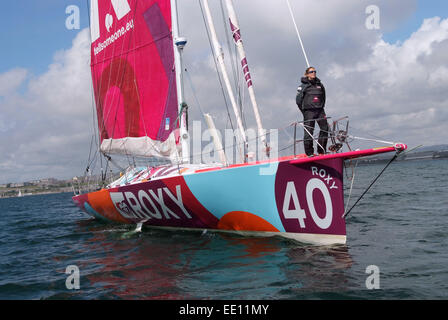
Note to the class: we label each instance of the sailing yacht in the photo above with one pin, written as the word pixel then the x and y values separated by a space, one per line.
pixel 137 74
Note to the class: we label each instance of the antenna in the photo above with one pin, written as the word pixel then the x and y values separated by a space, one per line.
pixel 298 33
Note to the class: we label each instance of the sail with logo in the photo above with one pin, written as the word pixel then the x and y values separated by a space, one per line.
pixel 136 65
pixel 134 79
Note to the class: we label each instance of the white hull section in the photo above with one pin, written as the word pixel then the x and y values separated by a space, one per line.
pixel 314 239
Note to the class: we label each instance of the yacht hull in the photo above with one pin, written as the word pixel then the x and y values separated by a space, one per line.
pixel 295 197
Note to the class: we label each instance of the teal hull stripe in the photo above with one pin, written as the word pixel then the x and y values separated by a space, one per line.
pixel 238 189
pixel 93 213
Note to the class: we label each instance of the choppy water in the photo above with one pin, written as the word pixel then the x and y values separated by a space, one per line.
pixel 400 227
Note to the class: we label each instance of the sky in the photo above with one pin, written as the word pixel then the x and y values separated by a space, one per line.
pixel 390 81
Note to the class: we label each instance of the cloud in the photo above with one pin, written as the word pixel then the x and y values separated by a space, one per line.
pixel 11 80
pixel 397 87
pixel 46 127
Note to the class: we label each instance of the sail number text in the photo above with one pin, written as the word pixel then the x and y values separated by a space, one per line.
pixel 322 183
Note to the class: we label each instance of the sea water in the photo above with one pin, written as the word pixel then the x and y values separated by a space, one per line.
pixel 396 249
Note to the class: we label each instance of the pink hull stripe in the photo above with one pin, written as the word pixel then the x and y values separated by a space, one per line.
pixel 345 155
pixel 191 202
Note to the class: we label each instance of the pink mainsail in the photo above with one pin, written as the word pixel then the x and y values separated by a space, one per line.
pixel 132 62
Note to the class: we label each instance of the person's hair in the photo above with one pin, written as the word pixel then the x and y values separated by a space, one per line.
pixel 308 69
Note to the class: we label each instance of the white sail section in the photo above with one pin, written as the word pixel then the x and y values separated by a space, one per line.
pixel 142 147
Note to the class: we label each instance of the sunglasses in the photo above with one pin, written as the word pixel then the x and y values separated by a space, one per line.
pixel 311 71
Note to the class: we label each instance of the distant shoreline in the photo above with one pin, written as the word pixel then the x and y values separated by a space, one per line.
pixel 428 155
pixel 54 186
pixel 34 194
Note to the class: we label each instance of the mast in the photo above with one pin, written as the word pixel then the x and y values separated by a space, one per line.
pixel 220 58
pixel 179 43
pixel 234 26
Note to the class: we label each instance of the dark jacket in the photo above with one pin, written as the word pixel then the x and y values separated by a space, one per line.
pixel 310 95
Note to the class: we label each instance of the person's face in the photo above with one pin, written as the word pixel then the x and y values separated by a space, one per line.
pixel 311 73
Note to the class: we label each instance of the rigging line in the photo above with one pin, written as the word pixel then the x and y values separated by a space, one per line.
pixel 122 80
pixel 167 100
pixel 371 184
pixel 224 75
pixel 93 162
pixel 139 102
pixel 225 147
pixel 367 133
pixel 178 117
pixel 95 132
pixel 234 64
pixel 238 83
pixel 95 119
pixel 114 94
pixel 241 94
pixel 193 90
pixel 232 55
pixel 96 99
pixel 103 120
pixel 298 122
pixel 257 136
pixel 374 140
pixel 197 102
pixel 216 65
pixel 351 185
pixel 138 96
pixel 90 154
pixel 287 147
pixel 119 68
pixel 349 136
pixel 312 137
pixel 294 123
pixel 298 33
pixel 192 156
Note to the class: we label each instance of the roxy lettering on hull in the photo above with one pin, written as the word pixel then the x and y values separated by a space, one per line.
pixel 324 175
pixel 150 204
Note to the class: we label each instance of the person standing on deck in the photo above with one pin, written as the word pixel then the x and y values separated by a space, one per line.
pixel 310 99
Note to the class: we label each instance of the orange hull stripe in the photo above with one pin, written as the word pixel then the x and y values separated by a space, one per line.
pixel 101 202
pixel 240 220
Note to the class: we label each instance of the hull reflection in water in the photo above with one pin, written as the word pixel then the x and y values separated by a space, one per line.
pixel 158 264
